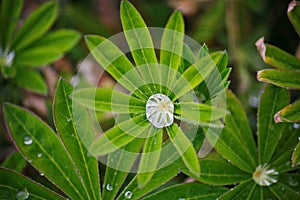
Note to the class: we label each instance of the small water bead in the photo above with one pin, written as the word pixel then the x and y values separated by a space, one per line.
pixel 39 155
pixel 22 195
pixel 296 125
pixel 181 199
pixel 109 187
pixel 293 182
pixel 128 194
pixel 27 140
pixel 159 110
pixel 42 174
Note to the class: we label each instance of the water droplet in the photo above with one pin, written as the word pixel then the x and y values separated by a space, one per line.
pixel 128 194
pixel 68 119
pixel 109 187
pixel 181 199
pixel 39 155
pixel 296 125
pixel 159 110
pixel 292 182
pixel 282 188
pixel 27 140
pixel 22 195
pixel 42 174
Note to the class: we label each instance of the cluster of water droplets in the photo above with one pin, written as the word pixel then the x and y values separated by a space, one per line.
pixel 264 176
pixel 159 110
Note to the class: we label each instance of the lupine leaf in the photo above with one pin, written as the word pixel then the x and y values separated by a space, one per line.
pixel 62 40
pixel 188 191
pixel 150 156
pixel 113 60
pixel 281 159
pixel 273 99
pixel 242 191
pixel 187 58
pixel 296 155
pixel 294 15
pixel 15 162
pixel 13 184
pixel 35 57
pixel 10 12
pixel 31 80
pixel 193 76
pixel 276 57
pixel 42 148
pixel 166 171
pixel 116 173
pixel 140 42
pixel 290 113
pixel 35 25
pixel 282 78
pixel 67 127
pixel 284 191
pixel 215 170
pixel 103 99
pixel 198 112
pixel 184 148
pixel 171 48
pixel 120 135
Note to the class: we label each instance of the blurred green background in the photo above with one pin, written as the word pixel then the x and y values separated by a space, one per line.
pixel 231 25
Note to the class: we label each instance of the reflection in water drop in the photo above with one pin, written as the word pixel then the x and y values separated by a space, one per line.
pixel 128 194
pixel 27 140
pixel 109 187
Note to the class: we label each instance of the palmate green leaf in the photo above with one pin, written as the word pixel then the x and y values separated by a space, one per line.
pixel 198 112
pixel 140 42
pixel 237 121
pixel 276 57
pixel 294 15
pixel 296 155
pixel 112 59
pixel 285 191
pixel 35 26
pixel 36 57
pixel 281 159
pixel 193 76
pixel 292 180
pixel 235 142
pixel 166 171
pixel 62 40
pixel 121 162
pixel 195 191
pixel 290 113
pixel 150 156
pixel 14 186
pixel 67 128
pixel 282 78
pixel 15 161
pixel 31 80
pixel 171 49
pixel 245 190
pixel 40 145
pixel 120 135
pixel 273 99
pixel 215 170
pixel 10 12
pixel 104 99
pixel 187 58
pixel 184 148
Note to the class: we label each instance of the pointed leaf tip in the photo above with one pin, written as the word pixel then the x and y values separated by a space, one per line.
pixel 261 47
pixel 277 118
pixel 291 6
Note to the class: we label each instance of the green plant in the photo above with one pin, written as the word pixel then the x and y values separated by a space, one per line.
pixel 286 74
pixel 71 156
pixel 29 46
pixel 264 172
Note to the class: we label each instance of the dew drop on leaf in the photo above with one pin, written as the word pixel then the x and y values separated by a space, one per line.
pixel 292 182
pixel 109 187
pixel 22 195
pixel 39 155
pixel 41 174
pixel 296 125
pixel 128 195
pixel 68 119
pixel 27 140
pixel 181 199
